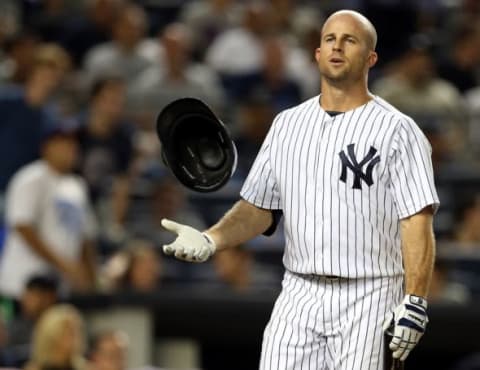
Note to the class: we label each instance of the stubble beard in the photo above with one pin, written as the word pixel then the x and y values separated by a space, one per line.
pixel 338 77
pixel 344 76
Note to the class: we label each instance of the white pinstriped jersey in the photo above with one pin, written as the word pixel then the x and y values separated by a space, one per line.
pixel 343 184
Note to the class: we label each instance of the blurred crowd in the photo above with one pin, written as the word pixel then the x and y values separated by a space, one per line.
pixel 82 185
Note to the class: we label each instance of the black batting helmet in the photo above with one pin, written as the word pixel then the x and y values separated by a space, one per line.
pixel 196 145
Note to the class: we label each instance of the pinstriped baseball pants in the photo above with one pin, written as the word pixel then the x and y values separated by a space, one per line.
pixel 321 323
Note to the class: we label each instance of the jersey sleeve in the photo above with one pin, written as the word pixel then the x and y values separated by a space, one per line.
pixel 23 199
pixel 260 187
pixel 411 171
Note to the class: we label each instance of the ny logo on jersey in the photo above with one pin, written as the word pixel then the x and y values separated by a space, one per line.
pixel 356 167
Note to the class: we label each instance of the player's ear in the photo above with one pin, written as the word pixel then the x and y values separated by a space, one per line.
pixel 372 59
pixel 317 54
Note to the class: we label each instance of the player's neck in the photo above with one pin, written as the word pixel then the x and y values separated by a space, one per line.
pixel 342 99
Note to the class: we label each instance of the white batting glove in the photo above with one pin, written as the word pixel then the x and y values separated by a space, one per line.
pixel 191 245
pixel 406 324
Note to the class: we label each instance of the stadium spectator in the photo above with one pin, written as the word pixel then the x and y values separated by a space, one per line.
pixel 238 270
pixel 164 197
pixel 109 350
pixel 285 92
pixel 301 63
pixel 413 87
pixel 58 340
pixel 50 226
pixel 144 270
pixel 19 57
pixel 136 268
pixel 460 66
pixel 174 76
pixel 40 293
pixel 49 18
pixel 127 53
pixel 237 53
pixel 443 289
pixel 24 110
pixel 10 18
pixel 254 118
pixel 468 228
pixel 86 30
pixel 207 20
pixel 106 154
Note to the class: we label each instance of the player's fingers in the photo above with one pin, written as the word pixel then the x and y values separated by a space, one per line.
pixel 188 254
pixel 397 345
pixel 171 225
pixel 406 352
pixel 203 255
pixel 396 339
pixel 403 345
pixel 168 249
pixel 196 256
pixel 180 252
pixel 413 340
pixel 397 353
pixel 394 343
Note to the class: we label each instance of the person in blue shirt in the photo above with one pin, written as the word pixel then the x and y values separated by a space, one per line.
pixel 24 111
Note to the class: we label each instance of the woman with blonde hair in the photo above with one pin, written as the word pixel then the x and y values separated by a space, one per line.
pixel 58 340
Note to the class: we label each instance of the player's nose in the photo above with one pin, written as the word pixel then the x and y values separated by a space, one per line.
pixel 337 47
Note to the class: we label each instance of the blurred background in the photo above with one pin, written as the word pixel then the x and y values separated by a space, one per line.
pixel 81 82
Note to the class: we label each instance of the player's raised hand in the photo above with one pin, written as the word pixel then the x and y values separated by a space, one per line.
pixel 406 324
pixel 191 245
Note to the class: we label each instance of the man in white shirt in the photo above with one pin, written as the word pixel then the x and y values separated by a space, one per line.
pixel 50 227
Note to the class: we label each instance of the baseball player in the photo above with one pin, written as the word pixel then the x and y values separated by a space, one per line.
pixel 353 179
